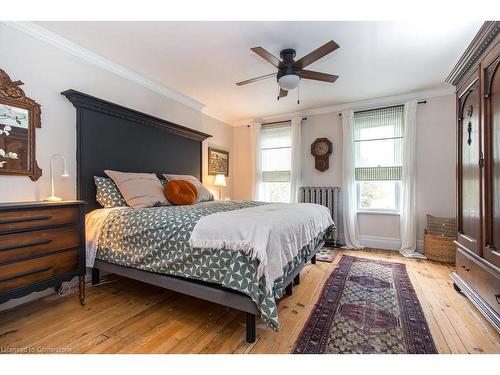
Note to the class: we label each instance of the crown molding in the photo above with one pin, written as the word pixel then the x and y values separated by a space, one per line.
pixel 219 115
pixel 66 45
pixel 359 105
pixel 482 41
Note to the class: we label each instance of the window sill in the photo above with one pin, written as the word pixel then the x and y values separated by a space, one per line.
pixel 375 212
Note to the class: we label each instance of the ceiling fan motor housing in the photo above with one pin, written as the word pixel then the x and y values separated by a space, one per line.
pixel 286 66
pixel 287 55
pixel 287 70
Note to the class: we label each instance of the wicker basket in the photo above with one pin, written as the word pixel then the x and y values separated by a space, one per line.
pixel 441 226
pixel 439 248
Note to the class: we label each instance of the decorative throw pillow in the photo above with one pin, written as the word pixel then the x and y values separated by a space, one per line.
pixel 139 190
pixel 107 194
pixel 203 193
pixel 181 192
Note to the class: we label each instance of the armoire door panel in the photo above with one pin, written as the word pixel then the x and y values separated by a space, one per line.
pixel 491 83
pixel 477 78
pixel 469 224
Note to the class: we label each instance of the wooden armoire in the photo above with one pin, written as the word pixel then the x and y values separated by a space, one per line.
pixel 477 80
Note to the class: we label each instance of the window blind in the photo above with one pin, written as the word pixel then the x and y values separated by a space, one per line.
pixel 378 144
pixel 276 146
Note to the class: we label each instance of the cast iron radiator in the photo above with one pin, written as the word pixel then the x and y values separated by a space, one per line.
pixel 331 198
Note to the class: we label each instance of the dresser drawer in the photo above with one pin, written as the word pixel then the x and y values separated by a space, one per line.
pixel 484 281
pixel 18 246
pixel 19 274
pixel 27 219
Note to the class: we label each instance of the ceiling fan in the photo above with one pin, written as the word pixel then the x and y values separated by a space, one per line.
pixel 290 72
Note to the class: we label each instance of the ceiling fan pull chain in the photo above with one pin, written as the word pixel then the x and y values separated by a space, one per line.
pixel 279 91
pixel 298 94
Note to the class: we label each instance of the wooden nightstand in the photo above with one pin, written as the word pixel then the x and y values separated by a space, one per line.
pixel 42 244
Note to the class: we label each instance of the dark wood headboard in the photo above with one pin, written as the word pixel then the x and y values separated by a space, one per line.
pixel 110 136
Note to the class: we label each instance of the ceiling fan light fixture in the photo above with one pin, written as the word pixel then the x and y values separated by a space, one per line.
pixel 289 82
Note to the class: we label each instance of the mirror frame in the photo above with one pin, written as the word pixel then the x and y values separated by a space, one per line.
pixel 12 95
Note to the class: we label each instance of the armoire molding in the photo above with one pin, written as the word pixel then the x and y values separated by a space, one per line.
pixel 488 32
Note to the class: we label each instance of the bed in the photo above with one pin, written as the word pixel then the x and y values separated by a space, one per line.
pixel 141 142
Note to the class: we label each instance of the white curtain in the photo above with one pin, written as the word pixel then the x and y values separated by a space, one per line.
pixel 408 215
pixel 296 172
pixel 255 160
pixel 350 216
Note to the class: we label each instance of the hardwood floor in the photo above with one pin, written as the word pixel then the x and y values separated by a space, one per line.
pixel 129 317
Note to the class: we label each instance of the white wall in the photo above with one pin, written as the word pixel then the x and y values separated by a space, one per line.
pixel 46 71
pixel 435 167
pixel 435 173
pixel 242 180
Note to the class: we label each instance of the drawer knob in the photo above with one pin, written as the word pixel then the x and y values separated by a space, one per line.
pixel 466 268
pixel 497 296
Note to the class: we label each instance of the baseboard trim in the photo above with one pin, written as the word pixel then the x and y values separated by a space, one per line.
pixel 387 243
pixel 420 246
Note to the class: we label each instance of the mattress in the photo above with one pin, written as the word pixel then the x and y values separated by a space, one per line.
pixel 157 240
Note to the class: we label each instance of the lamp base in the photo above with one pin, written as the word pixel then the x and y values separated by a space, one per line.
pixel 53 198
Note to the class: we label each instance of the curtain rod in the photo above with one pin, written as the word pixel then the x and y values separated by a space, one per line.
pixel 340 114
pixel 374 109
pixel 277 122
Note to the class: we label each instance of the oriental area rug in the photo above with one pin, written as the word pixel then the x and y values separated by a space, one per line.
pixel 366 306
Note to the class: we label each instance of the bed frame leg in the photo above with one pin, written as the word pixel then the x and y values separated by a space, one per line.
pixel 95 276
pixel 296 280
pixel 313 259
pixel 251 327
pixel 289 290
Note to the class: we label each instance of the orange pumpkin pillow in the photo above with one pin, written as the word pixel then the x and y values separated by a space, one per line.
pixel 181 192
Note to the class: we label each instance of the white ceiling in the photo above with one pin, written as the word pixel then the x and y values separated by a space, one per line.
pixel 203 60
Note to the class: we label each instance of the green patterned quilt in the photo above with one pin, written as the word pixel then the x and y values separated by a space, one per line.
pixel 156 240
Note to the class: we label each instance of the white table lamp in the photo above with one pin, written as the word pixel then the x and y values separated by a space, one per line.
pixel 53 197
pixel 220 182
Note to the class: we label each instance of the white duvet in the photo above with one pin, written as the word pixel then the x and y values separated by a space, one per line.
pixel 94 221
pixel 272 233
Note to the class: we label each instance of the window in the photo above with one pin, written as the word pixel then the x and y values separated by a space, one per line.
pixel 276 162
pixel 378 143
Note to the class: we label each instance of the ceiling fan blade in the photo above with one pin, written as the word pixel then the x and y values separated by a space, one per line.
pixel 316 54
pixel 266 56
pixel 283 93
pixel 309 74
pixel 256 79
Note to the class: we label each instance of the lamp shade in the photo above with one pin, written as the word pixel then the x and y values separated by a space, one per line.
pixel 289 81
pixel 220 180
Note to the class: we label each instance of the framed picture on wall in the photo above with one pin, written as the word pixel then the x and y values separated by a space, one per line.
pixel 218 162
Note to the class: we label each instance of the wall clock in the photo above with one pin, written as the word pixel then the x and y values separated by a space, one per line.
pixel 321 149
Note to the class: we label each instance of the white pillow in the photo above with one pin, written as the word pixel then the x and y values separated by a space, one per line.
pixel 139 189
pixel 203 193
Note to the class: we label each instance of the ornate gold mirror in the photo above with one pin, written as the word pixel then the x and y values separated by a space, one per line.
pixel 19 116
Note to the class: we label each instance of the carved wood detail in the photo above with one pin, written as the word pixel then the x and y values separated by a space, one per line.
pixel 483 40
pixel 12 94
pixel 488 77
